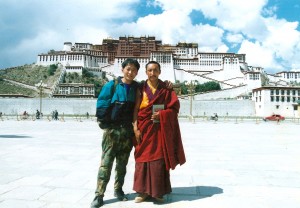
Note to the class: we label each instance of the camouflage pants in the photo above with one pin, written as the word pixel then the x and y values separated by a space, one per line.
pixel 116 144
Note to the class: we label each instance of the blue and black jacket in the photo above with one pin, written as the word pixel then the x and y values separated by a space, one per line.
pixel 115 103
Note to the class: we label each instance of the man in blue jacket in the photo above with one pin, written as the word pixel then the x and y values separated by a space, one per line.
pixel 115 106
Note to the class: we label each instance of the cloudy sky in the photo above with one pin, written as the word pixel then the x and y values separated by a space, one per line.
pixel 267 31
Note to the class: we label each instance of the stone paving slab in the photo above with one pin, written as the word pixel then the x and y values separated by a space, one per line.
pixel 229 164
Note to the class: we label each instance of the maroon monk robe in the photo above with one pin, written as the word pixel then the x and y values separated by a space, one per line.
pixel 160 140
pixel 170 134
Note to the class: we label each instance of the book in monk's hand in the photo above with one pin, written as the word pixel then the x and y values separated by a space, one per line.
pixel 156 108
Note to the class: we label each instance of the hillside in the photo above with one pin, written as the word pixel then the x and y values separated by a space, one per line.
pixel 22 79
pixel 9 88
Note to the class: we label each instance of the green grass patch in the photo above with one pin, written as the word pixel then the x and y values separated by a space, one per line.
pixel 9 88
pixel 32 74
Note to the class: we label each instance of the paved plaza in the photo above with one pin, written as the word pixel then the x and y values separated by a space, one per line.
pixel 230 164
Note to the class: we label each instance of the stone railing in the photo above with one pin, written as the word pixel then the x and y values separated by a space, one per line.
pixel 58 81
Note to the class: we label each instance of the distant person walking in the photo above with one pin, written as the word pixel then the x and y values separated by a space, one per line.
pixel 37 114
pixel 56 115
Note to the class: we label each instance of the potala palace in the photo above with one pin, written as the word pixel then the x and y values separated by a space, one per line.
pixel 272 93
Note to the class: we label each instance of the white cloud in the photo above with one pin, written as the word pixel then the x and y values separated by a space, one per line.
pixel 174 26
pixel 258 55
pixel 270 11
pixel 222 49
pixel 30 47
pixel 283 37
pixel 89 34
pixel 234 38
pixel 34 26
pixel 168 26
pixel 184 6
pixel 295 60
pixel 279 50
pixel 234 14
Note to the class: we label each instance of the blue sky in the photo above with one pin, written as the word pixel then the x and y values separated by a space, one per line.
pixel 268 32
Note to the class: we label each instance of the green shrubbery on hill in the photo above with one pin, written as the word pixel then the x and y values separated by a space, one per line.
pixel 86 78
pixel 29 75
pixel 32 74
pixel 52 69
pixel 205 87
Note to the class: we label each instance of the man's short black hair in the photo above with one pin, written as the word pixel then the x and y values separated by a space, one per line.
pixel 131 61
pixel 153 62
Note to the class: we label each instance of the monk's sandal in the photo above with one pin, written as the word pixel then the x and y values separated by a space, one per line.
pixel 140 198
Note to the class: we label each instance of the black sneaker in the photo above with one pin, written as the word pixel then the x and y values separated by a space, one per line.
pixel 97 202
pixel 120 195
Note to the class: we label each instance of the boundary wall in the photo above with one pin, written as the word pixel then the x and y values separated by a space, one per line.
pixel 221 107
pixel 76 106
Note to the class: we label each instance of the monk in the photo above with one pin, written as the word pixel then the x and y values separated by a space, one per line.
pixel 158 144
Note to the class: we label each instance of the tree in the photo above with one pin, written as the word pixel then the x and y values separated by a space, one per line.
pixel 52 69
pixel 208 86
pixel 205 87
pixel 86 74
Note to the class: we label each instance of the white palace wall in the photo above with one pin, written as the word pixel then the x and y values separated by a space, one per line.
pixel 221 107
pixel 75 106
